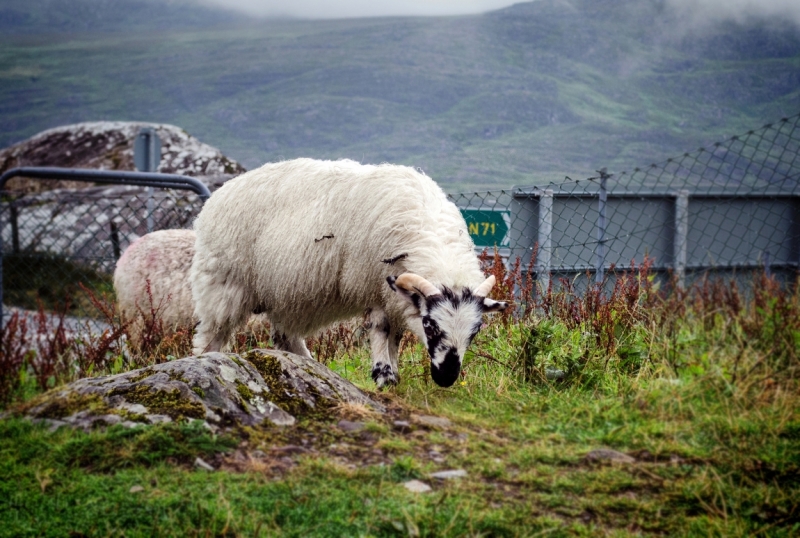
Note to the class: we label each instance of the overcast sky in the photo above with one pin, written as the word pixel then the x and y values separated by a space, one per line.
pixel 698 10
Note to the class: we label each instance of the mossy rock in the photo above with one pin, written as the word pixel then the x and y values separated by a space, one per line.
pixel 304 387
pixel 221 389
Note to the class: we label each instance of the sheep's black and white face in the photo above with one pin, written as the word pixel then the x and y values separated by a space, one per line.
pixel 450 320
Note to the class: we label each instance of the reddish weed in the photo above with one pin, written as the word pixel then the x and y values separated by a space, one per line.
pixel 94 351
pixel 605 314
pixel 14 349
pixel 255 335
pixel 510 285
pixel 51 345
pixel 337 340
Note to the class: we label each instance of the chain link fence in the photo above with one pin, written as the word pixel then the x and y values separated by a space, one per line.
pixel 729 208
pixel 60 243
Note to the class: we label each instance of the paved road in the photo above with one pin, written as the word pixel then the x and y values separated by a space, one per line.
pixel 73 325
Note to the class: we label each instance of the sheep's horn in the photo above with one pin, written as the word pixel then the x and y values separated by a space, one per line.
pixel 484 289
pixel 411 282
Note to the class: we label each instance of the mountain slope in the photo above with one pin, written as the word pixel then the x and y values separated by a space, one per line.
pixel 523 95
pixel 106 16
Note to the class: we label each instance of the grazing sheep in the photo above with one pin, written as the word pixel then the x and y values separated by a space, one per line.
pixel 313 242
pixel 163 258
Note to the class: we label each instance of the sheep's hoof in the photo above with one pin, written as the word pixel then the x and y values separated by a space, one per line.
pixel 383 375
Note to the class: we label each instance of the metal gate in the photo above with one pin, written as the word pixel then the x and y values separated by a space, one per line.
pixel 57 244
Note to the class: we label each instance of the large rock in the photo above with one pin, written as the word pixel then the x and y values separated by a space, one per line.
pixel 89 224
pixel 223 389
pixel 108 145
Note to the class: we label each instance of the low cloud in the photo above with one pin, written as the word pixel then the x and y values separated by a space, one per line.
pixel 325 9
pixel 694 12
pixel 702 12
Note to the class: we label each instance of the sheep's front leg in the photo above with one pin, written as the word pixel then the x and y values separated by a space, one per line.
pixel 384 349
pixel 394 348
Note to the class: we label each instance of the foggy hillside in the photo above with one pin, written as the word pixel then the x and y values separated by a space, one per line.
pixel 523 95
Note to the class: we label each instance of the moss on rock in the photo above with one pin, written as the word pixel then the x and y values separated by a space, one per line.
pixel 144 374
pixel 217 388
pixel 177 376
pixel 244 391
pixel 164 402
pixel 283 394
pixel 129 415
pixel 53 405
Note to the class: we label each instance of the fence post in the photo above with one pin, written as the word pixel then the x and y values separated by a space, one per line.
pixel 601 226
pixel 543 258
pixel 146 157
pixel 2 324
pixel 14 229
pixel 681 233
pixel 115 240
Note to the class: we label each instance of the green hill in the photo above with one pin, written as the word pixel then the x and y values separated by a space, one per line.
pixel 25 17
pixel 522 95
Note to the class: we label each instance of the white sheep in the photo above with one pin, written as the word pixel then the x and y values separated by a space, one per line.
pixel 163 258
pixel 313 242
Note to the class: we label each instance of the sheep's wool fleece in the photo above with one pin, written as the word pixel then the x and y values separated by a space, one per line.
pixel 306 240
pixel 164 258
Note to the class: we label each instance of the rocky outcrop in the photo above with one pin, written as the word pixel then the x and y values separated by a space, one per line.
pixel 108 145
pixel 89 224
pixel 222 389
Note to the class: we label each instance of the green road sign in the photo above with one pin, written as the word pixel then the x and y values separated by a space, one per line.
pixel 486 227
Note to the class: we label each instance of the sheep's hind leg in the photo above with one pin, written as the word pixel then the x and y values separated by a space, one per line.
pixel 384 350
pixel 292 344
pixel 221 309
pixel 212 339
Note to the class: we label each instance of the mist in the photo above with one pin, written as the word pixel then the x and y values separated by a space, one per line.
pixel 705 12
pixel 324 9
pixel 694 12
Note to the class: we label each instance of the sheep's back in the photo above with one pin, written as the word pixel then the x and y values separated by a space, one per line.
pixel 164 259
pixel 308 237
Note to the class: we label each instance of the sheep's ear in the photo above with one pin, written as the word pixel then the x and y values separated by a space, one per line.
pixel 483 290
pixel 490 305
pixel 413 288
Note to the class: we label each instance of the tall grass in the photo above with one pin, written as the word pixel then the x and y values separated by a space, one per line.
pixel 639 326
pixel 633 326
pixel 38 351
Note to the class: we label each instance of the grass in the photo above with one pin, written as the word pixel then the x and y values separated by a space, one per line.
pixel 697 388
pixel 31 279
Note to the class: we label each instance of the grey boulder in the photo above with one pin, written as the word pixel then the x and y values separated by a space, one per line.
pixel 222 389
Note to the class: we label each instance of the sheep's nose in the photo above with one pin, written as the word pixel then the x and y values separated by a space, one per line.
pixel 447 372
